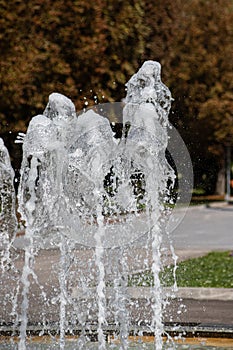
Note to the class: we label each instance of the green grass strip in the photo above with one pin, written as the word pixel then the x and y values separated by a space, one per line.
pixel 214 270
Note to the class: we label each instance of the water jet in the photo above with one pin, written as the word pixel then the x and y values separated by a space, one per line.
pixel 96 208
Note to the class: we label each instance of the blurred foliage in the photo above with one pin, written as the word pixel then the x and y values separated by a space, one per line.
pixel 88 50
pixel 204 69
pixel 78 48
pixel 214 270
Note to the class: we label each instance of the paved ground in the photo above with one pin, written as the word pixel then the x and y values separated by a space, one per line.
pixel 203 229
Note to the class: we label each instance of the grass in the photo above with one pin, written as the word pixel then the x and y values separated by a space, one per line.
pixel 214 270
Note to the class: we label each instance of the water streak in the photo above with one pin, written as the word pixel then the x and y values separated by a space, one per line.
pixel 82 190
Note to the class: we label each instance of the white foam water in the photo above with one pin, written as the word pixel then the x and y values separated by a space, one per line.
pixel 100 202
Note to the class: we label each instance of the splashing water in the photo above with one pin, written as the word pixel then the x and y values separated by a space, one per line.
pixel 8 221
pixel 8 229
pixel 148 103
pixel 94 207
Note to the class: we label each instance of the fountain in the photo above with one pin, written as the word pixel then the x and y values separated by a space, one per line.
pixel 63 196
pixel 8 221
pixel 96 208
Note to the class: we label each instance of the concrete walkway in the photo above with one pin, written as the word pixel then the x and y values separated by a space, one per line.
pixel 204 229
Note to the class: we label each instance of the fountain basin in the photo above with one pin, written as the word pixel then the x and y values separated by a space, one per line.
pixel 136 343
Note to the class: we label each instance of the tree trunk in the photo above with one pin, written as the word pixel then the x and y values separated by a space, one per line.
pixel 221 182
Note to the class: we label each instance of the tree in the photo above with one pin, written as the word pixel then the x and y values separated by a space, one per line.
pixel 78 48
pixel 87 50
pixel 32 65
pixel 196 46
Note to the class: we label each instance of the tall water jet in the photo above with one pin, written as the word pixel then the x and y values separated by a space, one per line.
pixel 8 229
pixel 98 201
pixel 148 103
pixel 41 190
pixel 8 221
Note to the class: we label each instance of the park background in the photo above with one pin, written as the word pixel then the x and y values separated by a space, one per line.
pixel 88 50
